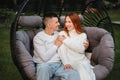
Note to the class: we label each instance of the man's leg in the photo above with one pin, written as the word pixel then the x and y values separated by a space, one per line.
pixel 68 74
pixel 45 71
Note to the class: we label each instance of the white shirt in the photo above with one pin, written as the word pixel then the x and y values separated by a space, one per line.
pixel 44 48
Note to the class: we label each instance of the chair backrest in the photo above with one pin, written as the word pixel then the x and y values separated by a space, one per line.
pixel 62 18
pixel 30 21
pixel 101 44
pixel 22 50
pixel 102 48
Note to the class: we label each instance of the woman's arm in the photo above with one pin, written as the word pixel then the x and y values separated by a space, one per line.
pixel 76 44
pixel 63 56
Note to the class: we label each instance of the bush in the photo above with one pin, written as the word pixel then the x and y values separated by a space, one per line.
pixel 6 14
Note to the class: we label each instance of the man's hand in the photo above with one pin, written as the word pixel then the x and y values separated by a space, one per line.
pixel 86 44
pixel 57 42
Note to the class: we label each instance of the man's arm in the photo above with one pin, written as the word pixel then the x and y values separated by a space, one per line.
pixel 41 51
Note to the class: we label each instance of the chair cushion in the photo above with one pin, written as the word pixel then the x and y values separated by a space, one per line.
pixel 62 19
pixel 30 21
pixel 23 59
pixel 101 46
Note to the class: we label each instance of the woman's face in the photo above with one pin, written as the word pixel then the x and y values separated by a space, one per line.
pixel 68 23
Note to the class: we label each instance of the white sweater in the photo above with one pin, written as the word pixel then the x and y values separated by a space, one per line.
pixel 74 46
pixel 44 48
pixel 72 51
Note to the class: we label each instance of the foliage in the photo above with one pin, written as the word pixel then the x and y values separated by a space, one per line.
pixel 111 5
pixel 6 14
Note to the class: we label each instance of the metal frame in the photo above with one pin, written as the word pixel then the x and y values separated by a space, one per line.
pixel 14 28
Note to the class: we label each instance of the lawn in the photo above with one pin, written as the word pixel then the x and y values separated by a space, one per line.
pixel 114 75
pixel 8 71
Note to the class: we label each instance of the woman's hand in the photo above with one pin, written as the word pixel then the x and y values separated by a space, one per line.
pixel 61 37
pixel 68 66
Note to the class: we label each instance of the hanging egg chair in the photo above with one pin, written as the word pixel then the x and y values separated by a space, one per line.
pixel 96 24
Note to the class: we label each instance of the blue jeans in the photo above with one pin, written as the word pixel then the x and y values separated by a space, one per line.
pixel 46 71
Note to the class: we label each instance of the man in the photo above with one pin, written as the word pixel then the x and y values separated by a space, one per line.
pixel 45 52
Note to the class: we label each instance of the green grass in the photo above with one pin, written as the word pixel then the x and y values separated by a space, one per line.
pixel 114 15
pixel 114 75
pixel 8 70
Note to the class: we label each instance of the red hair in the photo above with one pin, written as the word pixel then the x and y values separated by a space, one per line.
pixel 76 22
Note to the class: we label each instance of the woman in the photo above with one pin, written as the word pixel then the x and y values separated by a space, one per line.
pixel 72 50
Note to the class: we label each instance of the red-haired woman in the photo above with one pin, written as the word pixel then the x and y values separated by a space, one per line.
pixel 72 51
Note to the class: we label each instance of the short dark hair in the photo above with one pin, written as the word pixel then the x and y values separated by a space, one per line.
pixel 47 16
pixel 50 15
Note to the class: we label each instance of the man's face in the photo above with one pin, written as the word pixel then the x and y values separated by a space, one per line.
pixel 54 23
